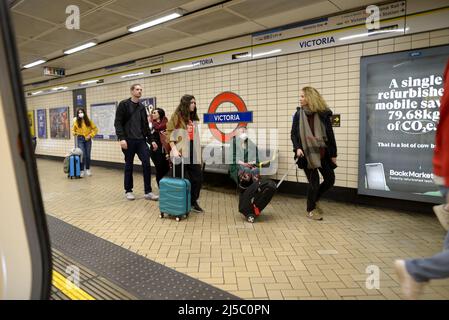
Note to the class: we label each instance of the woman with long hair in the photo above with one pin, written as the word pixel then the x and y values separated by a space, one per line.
pixel 183 134
pixel 84 130
pixel 158 124
pixel 314 146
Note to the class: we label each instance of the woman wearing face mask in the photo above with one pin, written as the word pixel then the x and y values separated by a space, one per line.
pixel 314 146
pixel 184 137
pixel 158 123
pixel 243 169
pixel 84 130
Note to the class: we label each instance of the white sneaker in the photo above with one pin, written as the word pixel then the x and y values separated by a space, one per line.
pixel 82 174
pixel 88 172
pixel 410 287
pixel 151 196
pixel 130 196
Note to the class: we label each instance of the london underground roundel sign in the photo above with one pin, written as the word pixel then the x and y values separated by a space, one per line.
pixel 212 117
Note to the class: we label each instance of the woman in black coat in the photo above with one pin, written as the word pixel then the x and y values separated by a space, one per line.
pixel 158 124
pixel 314 147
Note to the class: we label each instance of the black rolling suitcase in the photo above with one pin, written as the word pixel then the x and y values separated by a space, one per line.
pixel 257 196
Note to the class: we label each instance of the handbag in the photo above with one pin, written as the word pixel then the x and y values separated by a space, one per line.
pixel 301 162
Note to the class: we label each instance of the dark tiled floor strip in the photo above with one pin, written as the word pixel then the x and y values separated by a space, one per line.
pixel 137 275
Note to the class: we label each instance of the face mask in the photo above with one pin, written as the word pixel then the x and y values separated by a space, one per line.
pixel 244 136
pixel 81 115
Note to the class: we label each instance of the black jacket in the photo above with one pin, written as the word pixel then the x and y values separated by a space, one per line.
pixel 326 118
pixel 124 112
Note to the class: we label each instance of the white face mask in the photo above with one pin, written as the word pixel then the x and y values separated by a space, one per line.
pixel 244 136
pixel 81 115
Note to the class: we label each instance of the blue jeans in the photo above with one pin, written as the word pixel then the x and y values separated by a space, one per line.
pixel 436 267
pixel 139 147
pixel 85 146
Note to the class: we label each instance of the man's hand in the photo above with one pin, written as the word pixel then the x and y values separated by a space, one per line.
pixel 123 144
pixel 334 160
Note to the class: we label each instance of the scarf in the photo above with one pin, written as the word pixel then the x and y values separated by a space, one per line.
pixel 311 143
pixel 160 126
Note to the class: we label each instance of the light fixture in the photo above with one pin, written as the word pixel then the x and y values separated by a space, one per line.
pixel 184 66
pixel 37 92
pixel 59 88
pixel 154 22
pixel 89 82
pixel 81 47
pixel 132 75
pixel 261 54
pixel 360 35
pixel 33 64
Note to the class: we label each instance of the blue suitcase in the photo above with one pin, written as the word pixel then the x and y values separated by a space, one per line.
pixel 174 196
pixel 74 167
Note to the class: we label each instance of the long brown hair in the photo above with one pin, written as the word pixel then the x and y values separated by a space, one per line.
pixel 184 109
pixel 314 100
pixel 79 120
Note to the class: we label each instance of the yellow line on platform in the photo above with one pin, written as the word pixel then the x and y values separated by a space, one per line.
pixel 68 288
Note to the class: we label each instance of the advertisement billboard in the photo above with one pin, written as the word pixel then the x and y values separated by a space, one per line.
pixel 399 100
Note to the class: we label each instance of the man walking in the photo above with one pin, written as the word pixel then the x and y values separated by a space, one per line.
pixel 131 127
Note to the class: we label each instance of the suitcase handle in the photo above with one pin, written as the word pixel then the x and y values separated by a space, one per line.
pixel 182 167
pixel 288 171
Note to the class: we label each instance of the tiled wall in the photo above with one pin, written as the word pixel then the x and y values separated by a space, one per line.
pixel 270 87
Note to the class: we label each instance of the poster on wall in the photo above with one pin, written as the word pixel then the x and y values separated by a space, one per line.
pixel 399 100
pixel 59 123
pixel 79 99
pixel 149 102
pixel 42 123
pixel 31 122
pixel 103 115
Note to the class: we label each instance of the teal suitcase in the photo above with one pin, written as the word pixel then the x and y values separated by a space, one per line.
pixel 174 196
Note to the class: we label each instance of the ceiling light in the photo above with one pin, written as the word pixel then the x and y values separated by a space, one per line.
pixel 59 88
pixel 89 82
pixel 33 64
pixel 79 48
pixel 360 35
pixel 155 22
pixel 266 53
pixel 132 75
pixel 183 67
pixel 37 92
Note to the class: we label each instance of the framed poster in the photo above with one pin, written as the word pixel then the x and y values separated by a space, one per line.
pixel 59 123
pixel 149 102
pixel 31 122
pixel 103 115
pixel 79 100
pixel 42 123
pixel 400 100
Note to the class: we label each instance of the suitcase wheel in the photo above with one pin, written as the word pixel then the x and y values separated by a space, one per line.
pixel 161 215
pixel 178 219
pixel 250 218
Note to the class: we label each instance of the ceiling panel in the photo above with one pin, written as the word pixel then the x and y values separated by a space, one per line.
pixel 117 48
pixel 349 4
pixel 28 27
pixel 254 9
pixel 156 37
pixel 50 10
pixel 144 8
pixel 102 21
pixel 207 22
pixel 38 47
pixel 318 9
pixel 66 38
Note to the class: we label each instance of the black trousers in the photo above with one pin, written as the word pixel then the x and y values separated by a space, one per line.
pixel 160 162
pixel 139 147
pixel 314 189
pixel 194 173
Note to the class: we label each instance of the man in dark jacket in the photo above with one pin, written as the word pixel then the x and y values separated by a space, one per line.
pixel 132 129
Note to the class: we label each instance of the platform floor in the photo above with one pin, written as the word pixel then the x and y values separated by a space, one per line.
pixel 281 256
